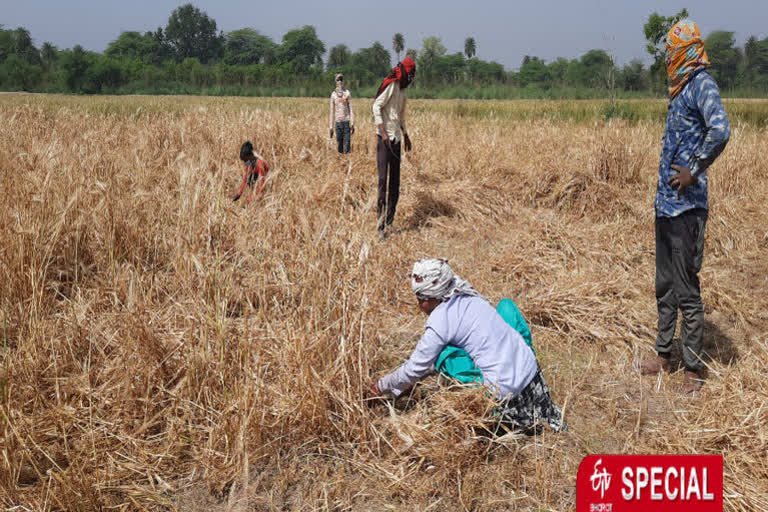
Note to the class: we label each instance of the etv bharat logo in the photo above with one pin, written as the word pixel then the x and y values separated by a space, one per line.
pixel 675 483
pixel 600 481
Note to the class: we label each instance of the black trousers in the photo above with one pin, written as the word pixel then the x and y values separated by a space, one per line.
pixel 342 136
pixel 388 161
pixel 679 253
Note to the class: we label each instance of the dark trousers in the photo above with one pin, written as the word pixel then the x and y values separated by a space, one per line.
pixel 342 136
pixel 388 161
pixel 679 251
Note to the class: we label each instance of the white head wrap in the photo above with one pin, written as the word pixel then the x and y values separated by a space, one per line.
pixel 433 279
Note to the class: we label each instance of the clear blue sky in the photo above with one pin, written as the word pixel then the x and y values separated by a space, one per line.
pixel 505 31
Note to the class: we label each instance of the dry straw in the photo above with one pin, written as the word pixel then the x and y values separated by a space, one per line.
pixel 166 349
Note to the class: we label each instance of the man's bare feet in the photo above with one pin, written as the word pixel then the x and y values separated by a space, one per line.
pixel 655 365
pixel 692 382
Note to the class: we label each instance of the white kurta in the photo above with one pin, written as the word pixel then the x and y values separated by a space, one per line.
pixel 389 110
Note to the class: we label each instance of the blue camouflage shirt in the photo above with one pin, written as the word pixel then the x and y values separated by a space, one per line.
pixel 696 133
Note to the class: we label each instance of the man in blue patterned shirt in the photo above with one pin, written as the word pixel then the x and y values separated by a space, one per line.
pixel 696 133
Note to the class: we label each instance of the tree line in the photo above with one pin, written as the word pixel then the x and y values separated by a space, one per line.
pixel 190 55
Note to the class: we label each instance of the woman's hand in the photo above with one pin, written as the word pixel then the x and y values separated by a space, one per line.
pixel 372 390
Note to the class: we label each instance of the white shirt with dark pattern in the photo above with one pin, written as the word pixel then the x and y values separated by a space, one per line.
pixel 341 108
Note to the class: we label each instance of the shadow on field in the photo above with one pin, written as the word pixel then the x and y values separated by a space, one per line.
pixel 718 346
pixel 426 208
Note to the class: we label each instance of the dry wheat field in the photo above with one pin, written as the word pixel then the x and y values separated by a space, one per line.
pixel 166 349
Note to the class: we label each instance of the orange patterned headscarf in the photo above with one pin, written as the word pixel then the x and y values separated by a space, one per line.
pixel 685 54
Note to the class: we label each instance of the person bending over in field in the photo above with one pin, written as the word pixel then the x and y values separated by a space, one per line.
pixel 389 117
pixel 341 115
pixel 463 327
pixel 256 169
pixel 696 133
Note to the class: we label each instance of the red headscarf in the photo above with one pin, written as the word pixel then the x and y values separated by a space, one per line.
pixel 400 73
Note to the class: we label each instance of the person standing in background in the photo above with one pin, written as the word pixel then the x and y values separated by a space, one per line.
pixel 341 115
pixel 389 117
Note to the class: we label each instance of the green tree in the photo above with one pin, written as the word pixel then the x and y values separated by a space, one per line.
pixel 375 60
pixel 75 64
pixel 633 77
pixel 655 31
pixel 49 54
pixel 302 49
pixel 398 43
pixel 23 46
pixel 192 71
pixel 6 43
pixel 597 68
pixel 164 50
pixel 750 52
pixel 724 57
pixel 412 53
pixel 558 71
pixel 431 50
pixel 20 74
pixel 486 73
pixel 470 47
pixel 450 68
pixel 533 71
pixel 750 48
pixel 104 74
pixel 338 56
pixel 575 73
pixel 758 65
pixel 133 45
pixel 246 46
pixel 756 55
pixel 191 33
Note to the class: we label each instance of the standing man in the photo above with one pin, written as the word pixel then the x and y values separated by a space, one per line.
pixel 389 117
pixel 341 115
pixel 697 130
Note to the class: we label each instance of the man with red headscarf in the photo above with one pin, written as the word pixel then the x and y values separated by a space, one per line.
pixel 389 117
pixel 696 133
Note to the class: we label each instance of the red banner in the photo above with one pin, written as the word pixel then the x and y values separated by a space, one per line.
pixel 627 483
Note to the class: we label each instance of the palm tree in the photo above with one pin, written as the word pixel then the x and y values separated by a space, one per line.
pixel 470 47
pixel 49 54
pixel 398 43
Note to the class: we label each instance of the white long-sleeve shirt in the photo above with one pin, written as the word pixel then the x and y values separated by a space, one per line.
pixel 470 323
pixel 389 110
